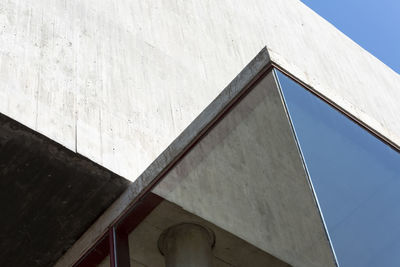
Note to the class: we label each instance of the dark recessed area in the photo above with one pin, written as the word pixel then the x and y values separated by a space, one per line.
pixel 49 196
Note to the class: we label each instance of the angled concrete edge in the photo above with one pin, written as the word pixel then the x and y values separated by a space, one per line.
pixel 183 143
pixel 149 178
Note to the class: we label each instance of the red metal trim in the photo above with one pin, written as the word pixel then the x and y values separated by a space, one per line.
pixel 115 242
pixel 96 255
pixel 111 244
pixel 119 248
pixel 118 234
pixel 122 242
pixel 138 212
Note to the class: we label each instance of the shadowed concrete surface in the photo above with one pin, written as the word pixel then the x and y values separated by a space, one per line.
pixel 246 176
pixel 186 139
pixel 49 196
pixel 228 251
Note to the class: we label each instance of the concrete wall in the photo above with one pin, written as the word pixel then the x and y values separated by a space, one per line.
pixel 247 177
pixel 117 81
pixel 182 144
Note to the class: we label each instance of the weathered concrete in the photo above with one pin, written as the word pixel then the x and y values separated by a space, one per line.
pixel 228 250
pixel 187 245
pixel 243 81
pixel 247 177
pixel 49 196
pixel 117 81
pixel 266 199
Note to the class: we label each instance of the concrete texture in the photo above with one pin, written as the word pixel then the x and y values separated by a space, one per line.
pixel 49 196
pixel 229 250
pixel 117 81
pixel 236 88
pixel 247 177
pixel 187 244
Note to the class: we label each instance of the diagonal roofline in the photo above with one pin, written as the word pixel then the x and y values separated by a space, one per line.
pixel 232 93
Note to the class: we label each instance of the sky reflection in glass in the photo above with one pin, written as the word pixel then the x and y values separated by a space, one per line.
pixel 356 178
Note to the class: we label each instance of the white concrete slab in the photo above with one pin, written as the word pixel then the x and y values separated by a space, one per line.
pixel 236 88
pixel 117 81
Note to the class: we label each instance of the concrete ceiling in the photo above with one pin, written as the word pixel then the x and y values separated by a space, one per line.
pixel 49 196
pixel 229 250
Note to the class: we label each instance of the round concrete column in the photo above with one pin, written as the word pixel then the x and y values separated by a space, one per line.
pixel 187 245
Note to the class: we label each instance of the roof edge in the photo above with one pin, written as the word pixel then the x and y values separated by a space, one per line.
pixel 237 88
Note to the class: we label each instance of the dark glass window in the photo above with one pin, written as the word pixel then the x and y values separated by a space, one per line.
pixel 356 178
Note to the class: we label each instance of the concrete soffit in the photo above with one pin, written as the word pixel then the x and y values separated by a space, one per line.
pixel 172 154
pixel 232 94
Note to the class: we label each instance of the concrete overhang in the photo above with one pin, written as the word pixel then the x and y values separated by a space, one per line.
pixel 122 81
pixel 67 85
pixel 294 231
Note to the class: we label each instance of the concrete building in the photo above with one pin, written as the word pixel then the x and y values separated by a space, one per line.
pixel 193 133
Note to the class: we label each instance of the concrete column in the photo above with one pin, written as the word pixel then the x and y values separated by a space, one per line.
pixel 187 245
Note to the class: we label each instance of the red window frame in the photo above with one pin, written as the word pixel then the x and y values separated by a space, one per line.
pixel 115 241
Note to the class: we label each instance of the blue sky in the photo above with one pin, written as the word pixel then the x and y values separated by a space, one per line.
pixel 373 24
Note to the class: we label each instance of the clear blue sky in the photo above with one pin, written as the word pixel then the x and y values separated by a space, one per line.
pixel 373 24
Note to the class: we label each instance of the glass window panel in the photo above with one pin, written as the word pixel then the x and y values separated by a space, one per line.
pixel 356 178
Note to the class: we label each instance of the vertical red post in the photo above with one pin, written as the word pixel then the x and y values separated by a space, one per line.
pixel 119 248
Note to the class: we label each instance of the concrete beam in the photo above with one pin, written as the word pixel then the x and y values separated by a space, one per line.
pixel 242 82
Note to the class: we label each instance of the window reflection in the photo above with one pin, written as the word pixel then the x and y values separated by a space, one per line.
pixel 355 177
